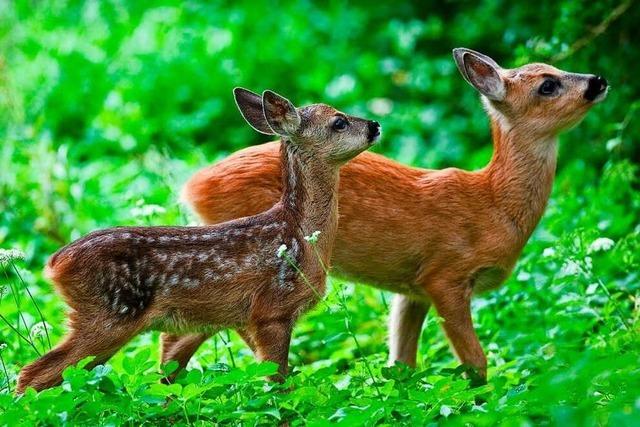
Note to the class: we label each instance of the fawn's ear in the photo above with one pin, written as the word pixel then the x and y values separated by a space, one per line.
pixel 250 106
pixel 481 72
pixel 281 114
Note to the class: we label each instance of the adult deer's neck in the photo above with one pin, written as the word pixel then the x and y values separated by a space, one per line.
pixel 310 194
pixel 521 172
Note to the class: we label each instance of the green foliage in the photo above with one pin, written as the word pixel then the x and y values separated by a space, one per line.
pixel 106 107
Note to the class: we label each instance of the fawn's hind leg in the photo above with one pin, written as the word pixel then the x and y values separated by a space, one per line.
pixel 80 342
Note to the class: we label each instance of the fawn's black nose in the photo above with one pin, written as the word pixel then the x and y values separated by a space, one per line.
pixel 374 130
pixel 596 86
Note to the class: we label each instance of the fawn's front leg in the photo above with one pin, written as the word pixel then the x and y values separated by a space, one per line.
pixel 453 304
pixel 181 348
pixel 271 339
pixel 405 325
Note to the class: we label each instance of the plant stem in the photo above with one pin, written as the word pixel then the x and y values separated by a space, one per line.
pixel 15 294
pixel 227 345
pixel 44 324
pixel 6 374
pixel 346 316
pixel 587 272
pixel 4 319
pixel 347 322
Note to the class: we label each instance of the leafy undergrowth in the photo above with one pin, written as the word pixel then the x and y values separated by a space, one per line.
pixel 561 336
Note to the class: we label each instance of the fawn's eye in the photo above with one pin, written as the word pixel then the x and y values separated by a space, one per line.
pixel 340 124
pixel 548 87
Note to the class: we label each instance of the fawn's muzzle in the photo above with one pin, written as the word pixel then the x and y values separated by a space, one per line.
pixel 374 130
pixel 597 85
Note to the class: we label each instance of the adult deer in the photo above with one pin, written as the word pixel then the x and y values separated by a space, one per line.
pixel 433 236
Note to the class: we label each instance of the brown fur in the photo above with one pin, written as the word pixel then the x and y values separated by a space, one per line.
pixel 433 236
pixel 121 281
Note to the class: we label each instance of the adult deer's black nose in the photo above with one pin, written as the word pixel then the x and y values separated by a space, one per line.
pixel 597 85
pixel 374 130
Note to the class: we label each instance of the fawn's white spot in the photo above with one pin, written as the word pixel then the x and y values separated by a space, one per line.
pixel 173 280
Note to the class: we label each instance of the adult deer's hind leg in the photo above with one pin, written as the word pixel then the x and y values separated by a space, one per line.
pixel 405 325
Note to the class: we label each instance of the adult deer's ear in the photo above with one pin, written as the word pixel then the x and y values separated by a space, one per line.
pixel 250 106
pixel 481 72
pixel 280 113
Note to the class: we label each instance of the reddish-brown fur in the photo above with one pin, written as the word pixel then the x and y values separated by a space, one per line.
pixel 433 236
pixel 121 281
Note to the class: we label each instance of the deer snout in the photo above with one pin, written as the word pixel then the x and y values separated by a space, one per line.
pixel 596 86
pixel 374 130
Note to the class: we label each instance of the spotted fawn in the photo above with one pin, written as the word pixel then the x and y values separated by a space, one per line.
pixel 121 281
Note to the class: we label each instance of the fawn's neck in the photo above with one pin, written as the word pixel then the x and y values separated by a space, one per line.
pixel 310 194
pixel 521 173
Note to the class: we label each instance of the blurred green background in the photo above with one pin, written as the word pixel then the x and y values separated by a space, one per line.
pixel 107 107
pixel 109 82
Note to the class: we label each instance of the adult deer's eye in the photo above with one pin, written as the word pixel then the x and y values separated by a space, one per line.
pixel 548 87
pixel 340 124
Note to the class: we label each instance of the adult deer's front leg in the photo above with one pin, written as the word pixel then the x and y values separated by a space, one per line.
pixel 405 324
pixel 453 304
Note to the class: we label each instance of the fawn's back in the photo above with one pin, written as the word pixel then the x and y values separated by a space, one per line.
pixel 182 271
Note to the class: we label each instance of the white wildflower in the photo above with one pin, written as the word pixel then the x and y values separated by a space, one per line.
pixel 8 255
pixel 3 347
pixel 479 408
pixel 588 263
pixel 445 411
pixel 38 329
pixel 548 252
pixel 341 85
pixel 592 288
pixel 601 244
pixel 313 239
pixel 147 210
pixel 570 268
pixel 380 106
pixel 281 251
